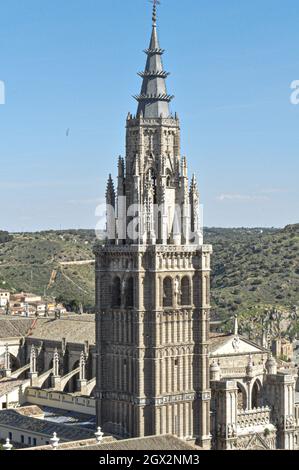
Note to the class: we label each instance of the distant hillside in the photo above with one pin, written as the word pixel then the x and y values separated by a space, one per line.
pixel 32 262
pixel 252 268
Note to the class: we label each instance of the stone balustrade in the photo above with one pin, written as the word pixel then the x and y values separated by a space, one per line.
pixel 255 417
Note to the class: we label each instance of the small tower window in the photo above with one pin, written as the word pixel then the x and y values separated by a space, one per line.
pixel 167 292
pixel 185 291
pixel 130 292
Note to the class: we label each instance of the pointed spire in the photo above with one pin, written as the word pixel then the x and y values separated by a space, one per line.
pixel 56 363
pixel 194 186
pixel 184 167
pixel 33 360
pixel 82 366
pixel 153 99
pixel 7 362
pixel 121 167
pixel 110 193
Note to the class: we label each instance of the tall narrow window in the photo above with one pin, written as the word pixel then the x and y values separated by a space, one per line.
pixel 167 292
pixel 185 291
pixel 116 293
pixel 130 292
pixel 256 398
pixel 242 398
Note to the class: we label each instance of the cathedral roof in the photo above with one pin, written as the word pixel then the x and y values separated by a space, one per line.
pixel 153 99
pixel 14 327
pixel 47 428
pixel 75 329
pixel 162 443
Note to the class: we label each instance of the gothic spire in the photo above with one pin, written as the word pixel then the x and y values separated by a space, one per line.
pixel 110 192
pixel 153 99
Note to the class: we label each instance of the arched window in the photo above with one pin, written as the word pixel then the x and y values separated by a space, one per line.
pixel 167 292
pixel 242 398
pixel 168 179
pixel 185 291
pixel 116 293
pixel 130 292
pixel 256 395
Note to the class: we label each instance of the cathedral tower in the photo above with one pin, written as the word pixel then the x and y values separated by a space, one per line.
pixel 153 280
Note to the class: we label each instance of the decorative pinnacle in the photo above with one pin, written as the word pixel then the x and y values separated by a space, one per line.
pixel 155 3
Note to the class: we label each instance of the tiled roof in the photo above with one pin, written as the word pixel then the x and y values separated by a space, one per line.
pixel 218 339
pixel 13 419
pixel 14 327
pixel 159 443
pixel 167 442
pixel 76 329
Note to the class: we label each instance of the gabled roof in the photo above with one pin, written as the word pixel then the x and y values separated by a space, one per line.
pixel 229 344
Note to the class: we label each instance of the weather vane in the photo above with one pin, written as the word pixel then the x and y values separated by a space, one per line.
pixel 155 3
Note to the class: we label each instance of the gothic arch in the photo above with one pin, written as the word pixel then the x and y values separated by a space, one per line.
pixel 116 292
pixel 242 397
pixel 256 395
pixel 167 292
pixel 168 178
pixel 185 291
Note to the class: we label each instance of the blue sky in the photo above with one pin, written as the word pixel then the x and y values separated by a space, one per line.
pixel 71 64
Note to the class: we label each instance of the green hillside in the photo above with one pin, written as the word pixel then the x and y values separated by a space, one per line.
pixel 252 268
pixel 32 262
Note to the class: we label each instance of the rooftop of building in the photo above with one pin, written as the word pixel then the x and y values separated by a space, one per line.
pixel 150 443
pixel 32 411
pixel 14 327
pixel 74 328
pixel 223 342
pixel 13 419
pixel 7 385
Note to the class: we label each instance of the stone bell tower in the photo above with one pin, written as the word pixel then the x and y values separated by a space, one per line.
pixel 153 280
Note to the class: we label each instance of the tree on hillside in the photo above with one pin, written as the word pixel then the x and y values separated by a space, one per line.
pixel 5 237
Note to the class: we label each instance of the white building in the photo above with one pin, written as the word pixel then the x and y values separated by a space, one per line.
pixel 4 297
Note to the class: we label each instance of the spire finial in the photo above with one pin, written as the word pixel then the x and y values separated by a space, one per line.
pixel 155 3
